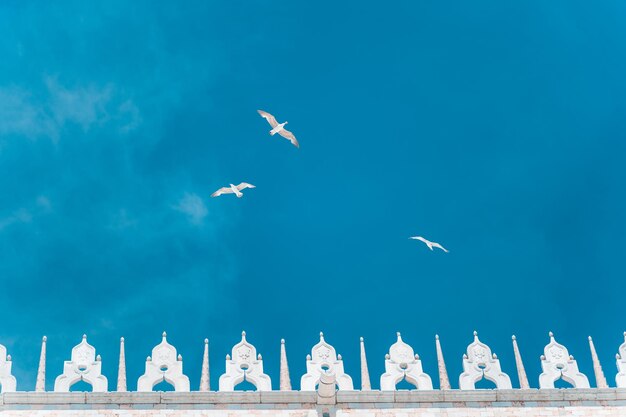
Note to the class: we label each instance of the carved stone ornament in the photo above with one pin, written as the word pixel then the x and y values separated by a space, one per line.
pixel 479 363
pixel 164 365
pixel 402 363
pixel 245 365
pixel 620 378
pixel 7 380
pixel 85 366
pixel 324 360
pixel 557 363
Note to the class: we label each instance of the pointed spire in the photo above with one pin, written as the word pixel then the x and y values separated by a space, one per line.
pixel 40 386
pixel 365 374
pixel 285 381
pixel 521 372
pixel 121 370
pixel 444 382
pixel 597 368
pixel 205 382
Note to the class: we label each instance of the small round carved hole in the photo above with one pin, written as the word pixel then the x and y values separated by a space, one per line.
pixel 325 368
pixel 244 366
pixel 82 368
pixel 560 366
pixel 163 368
pixel 481 366
pixel 403 365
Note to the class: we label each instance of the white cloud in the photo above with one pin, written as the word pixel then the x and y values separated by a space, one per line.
pixel 82 105
pixel 19 216
pixel 87 106
pixel 193 206
pixel 19 115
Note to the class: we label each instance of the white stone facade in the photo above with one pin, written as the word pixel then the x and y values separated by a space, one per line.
pixel 7 381
pixel 324 360
pixel 244 365
pixel 422 412
pixel 402 363
pixel 557 363
pixel 85 366
pixel 163 365
pixel 620 378
pixel 479 363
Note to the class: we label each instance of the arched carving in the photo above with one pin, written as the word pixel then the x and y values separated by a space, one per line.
pixel 163 365
pixel 83 365
pixel 324 360
pixel 620 378
pixel 556 363
pixel 7 380
pixel 245 365
pixel 479 363
pixel 402 363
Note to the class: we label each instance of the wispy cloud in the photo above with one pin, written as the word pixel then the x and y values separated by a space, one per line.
pixel 193 206
pixel 20 115
pixel 87 106
pixel 24 215
pixel 18 216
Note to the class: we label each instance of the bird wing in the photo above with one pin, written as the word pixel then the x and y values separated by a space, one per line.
pixel 290 136
pixel 223 190
pixel 270 119
pixel 244 185
pixel 419 238
pixel 437 245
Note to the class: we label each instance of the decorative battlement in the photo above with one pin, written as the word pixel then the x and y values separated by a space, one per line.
pixel 324 368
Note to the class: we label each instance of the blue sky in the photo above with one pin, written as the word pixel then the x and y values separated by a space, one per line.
pixel 495 128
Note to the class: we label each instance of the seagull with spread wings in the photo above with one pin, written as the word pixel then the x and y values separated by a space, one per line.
pixel 279 128
pixel 233 189
pixel 430 244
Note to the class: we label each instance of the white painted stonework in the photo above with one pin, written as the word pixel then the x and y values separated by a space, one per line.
pixel 161 413
pixel 7 380
pixel 83 365
pixel 479 363
pixel 557 363
pixel 620 378
pixel 163 365
pixel 244 365
pixel 324 360
pixel 402 363
pixel 489 412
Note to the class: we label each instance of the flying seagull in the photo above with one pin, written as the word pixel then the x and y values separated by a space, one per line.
pixel 430 244
pixel 279 128
pixel 236 189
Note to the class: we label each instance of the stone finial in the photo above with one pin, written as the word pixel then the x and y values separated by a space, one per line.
pixel 163 365
pixel 556 363
pixel 597 368
pixel 365 374
pixel 444 382
pixel 402 363
pixel 324 360
pixel 521 372
pixel 245 365
pixel 620 357
pixel 40 385
pixel 7 380
pixel 205 381
pixel 285 380
pixel 121 369
pixel 479 363
pixel 82 366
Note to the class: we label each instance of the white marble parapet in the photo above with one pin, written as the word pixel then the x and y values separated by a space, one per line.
pixel 308 399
